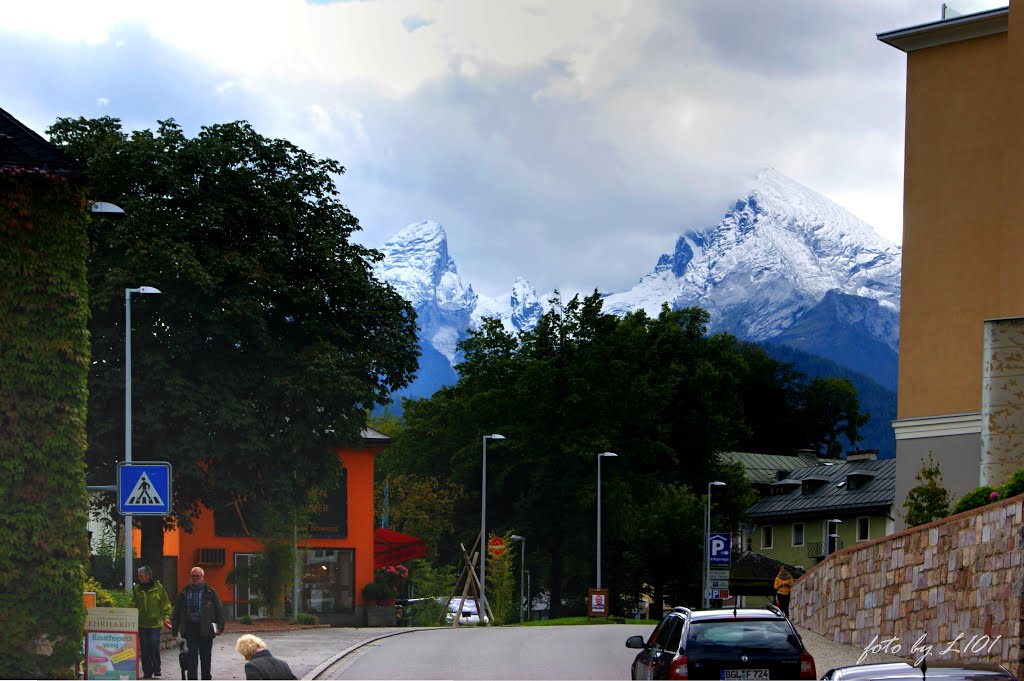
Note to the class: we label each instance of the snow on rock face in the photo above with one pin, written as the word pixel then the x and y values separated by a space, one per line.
pixel 774 255
pixel 417 264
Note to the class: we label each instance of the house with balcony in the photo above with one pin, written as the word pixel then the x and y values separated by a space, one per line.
pixel 816 510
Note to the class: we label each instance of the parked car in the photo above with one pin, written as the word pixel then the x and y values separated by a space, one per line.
pixel 733 643
pixel 469 611
pixel 944 670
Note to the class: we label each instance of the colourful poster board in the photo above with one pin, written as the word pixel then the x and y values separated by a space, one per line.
pixel 111 655
pixel 597 603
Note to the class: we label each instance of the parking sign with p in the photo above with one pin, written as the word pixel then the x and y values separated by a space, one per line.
pixel 719 545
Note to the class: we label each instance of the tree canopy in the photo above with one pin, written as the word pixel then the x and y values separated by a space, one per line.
pixel 271 337
pixel 658 391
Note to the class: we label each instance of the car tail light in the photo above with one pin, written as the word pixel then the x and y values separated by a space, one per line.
pixel 807 670
pixel 678 669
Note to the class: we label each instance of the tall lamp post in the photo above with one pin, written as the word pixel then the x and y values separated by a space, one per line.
pixel 599 457
pixel 128 418
pixel 483 522
pixel 522 574
pixel 707 556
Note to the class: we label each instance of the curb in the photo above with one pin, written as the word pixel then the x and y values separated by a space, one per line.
pixel 326 664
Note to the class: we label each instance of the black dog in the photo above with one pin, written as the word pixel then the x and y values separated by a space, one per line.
pixel 183 658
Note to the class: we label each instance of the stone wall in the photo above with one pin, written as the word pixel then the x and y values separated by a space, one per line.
pixel 929 591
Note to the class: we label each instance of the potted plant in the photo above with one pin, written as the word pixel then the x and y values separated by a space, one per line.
pixel 380 608
pixel 378 593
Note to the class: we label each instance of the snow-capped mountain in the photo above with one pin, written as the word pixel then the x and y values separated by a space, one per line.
pixel 774 256
pixel 416 263
pixel 784 263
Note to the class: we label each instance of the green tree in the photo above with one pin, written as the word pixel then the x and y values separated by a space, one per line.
pixel 928 500
pixel 421 507
pixel 658 391
pixel 44 362
pixel 831 410
pixel 271 338
pixel 501 583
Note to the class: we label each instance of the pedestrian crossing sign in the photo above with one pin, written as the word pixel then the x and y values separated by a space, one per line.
pixel 144 488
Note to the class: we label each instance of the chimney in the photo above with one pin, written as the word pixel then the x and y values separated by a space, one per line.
pixel 862 455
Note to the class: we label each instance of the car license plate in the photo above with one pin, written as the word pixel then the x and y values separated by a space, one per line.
pixel 745 674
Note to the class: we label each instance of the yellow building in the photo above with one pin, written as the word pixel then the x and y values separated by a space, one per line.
pixel 961 355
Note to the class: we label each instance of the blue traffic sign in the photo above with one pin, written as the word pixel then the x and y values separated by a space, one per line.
pixel 719 549
pixel 144 488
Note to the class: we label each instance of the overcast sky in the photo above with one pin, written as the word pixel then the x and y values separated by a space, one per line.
pixel 565 141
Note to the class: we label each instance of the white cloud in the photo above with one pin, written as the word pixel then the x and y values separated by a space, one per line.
pixel 530 129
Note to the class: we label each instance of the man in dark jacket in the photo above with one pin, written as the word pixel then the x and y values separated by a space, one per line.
pixel 260 664
pixel 198 616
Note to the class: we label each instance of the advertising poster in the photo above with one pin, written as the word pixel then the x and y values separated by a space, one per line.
pixel 597 603
pixel 111 655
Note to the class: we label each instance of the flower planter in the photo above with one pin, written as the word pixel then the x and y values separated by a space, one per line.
pixel 380 616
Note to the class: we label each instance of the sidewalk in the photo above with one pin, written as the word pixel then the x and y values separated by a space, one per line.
pixel 305 650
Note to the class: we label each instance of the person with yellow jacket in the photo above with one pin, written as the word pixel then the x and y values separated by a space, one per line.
pixel 783 584
pixel 154 607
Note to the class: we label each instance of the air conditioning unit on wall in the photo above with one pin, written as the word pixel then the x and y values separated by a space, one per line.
pixel 209 556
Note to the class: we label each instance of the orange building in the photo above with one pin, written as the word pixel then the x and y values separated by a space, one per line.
pixel 337 553
pixel 962 308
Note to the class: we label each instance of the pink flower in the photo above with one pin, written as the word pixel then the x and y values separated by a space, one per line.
pixel 993 496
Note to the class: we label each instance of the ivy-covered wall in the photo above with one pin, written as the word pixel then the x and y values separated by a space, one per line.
pixel 44 362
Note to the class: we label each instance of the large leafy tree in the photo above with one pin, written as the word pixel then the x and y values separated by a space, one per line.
pixel 658 391
pixel 831 409
pixel 271 337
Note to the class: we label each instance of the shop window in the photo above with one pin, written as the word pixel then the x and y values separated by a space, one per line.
pixel 328 581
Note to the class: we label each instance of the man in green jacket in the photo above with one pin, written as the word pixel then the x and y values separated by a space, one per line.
pixel 154 612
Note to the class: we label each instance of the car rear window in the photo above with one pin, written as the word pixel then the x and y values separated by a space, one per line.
pixel 768 634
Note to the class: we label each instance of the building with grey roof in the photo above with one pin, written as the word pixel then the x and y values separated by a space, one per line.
pixel 851 500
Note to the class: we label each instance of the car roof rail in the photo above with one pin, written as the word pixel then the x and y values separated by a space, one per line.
pixel 682 609
pixel 774 608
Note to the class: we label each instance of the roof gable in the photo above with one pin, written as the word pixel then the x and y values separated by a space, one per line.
pixel 875 488
pixel 21 147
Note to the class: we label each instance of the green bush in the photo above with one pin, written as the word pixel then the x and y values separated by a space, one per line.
pixel 979 496
pixel 929 500
pixel 245 619
pixel 307 618
pixel 377 593
pixel 44 364
pixel 1013 486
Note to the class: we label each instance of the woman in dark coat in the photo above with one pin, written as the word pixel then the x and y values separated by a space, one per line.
pixel 260 664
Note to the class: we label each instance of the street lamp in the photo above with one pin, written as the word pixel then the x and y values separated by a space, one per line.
pixel 599 457
pixel 832 536
pixel 522 574
pixel 483 521
pixel 128 418
pixel 707 556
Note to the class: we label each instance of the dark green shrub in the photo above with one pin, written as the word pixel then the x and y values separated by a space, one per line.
pixel 929 500
pixel 979 496
pixel 44 364
pixel 1013 486
pixel 307 618
pixel 377 593
pixel 245 619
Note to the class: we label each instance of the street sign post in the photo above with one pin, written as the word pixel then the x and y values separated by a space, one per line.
pixel 144 488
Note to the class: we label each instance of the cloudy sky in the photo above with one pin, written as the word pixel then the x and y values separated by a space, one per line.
pixel 565 141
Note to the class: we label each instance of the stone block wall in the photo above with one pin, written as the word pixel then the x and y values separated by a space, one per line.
pixel 952 589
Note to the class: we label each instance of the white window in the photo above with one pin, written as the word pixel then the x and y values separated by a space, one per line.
pixel 863 528
pixel 766 537
pixel 798 534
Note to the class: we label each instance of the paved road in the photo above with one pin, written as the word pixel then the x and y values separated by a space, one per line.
pixel 340 653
